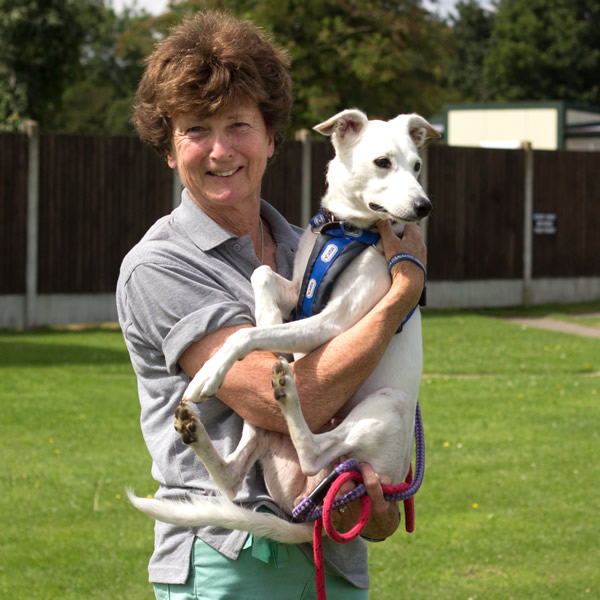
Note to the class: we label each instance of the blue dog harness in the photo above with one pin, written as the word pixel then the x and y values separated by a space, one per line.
pixel 337 245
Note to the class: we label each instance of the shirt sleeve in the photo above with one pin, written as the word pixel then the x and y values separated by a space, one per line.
pixel 172 306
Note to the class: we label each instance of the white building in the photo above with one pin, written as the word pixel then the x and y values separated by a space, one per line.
pixel 552 125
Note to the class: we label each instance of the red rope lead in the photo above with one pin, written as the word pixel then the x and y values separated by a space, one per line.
pixel 330 530
pixel 319 565
pixel 343 538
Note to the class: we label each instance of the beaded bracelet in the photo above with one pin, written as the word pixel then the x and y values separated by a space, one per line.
pixel 403 256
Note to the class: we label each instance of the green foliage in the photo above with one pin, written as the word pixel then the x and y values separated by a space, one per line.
pixel 384 58
pixel 74 65
pixel 545 49
pixel 379 56
pixel 471 30
pixel 526 50
pixel 112 63
pixel 39 54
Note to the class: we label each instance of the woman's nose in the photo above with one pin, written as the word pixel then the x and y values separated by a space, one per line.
pixel 221 147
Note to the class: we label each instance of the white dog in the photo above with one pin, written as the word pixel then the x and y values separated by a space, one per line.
pixel 373 176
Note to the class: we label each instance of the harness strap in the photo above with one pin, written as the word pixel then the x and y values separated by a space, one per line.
pixel 337 245
pixel 335 248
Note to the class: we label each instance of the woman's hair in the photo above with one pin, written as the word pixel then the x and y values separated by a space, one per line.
pixel 209 61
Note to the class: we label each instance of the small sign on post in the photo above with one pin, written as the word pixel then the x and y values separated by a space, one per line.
pixel 545 223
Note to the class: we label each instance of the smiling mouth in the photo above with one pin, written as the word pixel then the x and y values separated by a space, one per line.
pixel 223 173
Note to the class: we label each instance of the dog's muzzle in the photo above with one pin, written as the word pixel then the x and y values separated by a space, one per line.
pixel 421 208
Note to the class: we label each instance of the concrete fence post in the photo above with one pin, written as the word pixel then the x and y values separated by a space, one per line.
pixel 527 224
pixel 33 204
pixel 424 179
pixel 303 135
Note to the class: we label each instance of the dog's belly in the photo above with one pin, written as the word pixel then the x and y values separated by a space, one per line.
pixel 401 367
pixel 285 481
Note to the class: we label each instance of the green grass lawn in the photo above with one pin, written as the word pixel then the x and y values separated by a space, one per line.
pixel 69 445
pixel 509 507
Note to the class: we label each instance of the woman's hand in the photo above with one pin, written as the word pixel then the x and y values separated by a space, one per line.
pixel 405 273
pixel 385 515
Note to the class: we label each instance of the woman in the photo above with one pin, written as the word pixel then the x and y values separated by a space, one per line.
pixel 214 101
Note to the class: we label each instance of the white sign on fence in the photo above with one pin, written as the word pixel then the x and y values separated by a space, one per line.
pixel 545 223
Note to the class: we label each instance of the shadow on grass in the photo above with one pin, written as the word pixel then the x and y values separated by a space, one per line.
pixel 16 351
pixel 542 310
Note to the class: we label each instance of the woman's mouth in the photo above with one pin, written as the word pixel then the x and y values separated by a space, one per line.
pixel 223 173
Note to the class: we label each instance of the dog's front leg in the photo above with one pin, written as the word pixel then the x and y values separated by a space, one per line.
pixel 297 336
pixel 274 296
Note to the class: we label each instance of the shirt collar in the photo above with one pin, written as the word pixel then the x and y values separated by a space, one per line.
pixel 199 227
pixel 207 235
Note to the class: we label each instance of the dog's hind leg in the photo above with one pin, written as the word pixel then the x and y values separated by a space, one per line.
pixel 228 473
pixel 378 430
pixel 310 451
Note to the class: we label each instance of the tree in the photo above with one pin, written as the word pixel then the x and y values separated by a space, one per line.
pixel 545 49
pixel 40 42
pixel 379 56
pixel 112 62
pixel 376 55
pixel 471 32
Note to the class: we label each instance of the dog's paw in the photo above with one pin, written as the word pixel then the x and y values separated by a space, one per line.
pixel 204 385
pixel 186 423
pixel 284 386
pixel 210 377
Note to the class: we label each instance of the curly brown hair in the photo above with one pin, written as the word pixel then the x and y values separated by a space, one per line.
pixel 209 61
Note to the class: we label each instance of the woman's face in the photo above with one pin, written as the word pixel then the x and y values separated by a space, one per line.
pixel 221 158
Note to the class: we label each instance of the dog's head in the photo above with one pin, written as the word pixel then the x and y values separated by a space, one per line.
pixel 374 173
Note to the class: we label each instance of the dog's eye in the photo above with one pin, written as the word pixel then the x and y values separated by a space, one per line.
pixel 417 166
pixel 383 163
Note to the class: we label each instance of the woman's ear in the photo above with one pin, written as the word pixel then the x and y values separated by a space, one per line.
pixel 271 147
pixel 171 160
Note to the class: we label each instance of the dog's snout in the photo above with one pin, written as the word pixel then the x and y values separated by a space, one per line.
pixel 422 207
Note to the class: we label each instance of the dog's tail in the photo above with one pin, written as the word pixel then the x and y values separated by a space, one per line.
pixel 221 512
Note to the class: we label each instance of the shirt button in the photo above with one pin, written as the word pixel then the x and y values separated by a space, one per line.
pixel 237 247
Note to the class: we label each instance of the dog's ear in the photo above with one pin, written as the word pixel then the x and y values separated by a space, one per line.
pixel 347 124
pixel 420 130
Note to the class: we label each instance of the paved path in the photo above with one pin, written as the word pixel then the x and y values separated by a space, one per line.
pixel 560 326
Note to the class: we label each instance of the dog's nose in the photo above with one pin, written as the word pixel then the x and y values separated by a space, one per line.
pixel 422 207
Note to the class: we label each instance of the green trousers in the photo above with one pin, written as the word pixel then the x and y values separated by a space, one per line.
pixel 263 571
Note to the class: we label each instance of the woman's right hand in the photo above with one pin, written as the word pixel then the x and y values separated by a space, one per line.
pixel 405 272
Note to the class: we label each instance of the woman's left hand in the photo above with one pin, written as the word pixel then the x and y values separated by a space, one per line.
pixel 385 515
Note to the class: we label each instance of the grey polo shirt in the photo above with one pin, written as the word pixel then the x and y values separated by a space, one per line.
pixel 186 278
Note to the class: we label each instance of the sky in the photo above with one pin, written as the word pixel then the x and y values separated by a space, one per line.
pixel 158 6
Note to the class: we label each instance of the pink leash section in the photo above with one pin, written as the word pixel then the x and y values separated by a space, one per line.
pixel 350 471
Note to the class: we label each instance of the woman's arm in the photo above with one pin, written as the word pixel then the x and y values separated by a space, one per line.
pixel 329 375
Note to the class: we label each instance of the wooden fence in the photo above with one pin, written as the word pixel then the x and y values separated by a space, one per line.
pixel 13 212
pixel 98 195
pixel 476 230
